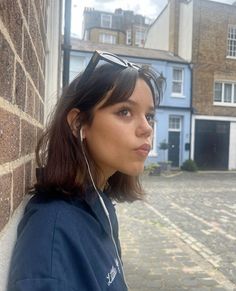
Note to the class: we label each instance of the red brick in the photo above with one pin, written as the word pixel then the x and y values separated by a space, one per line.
pixel 29 58
pixel 9 136
pixel 28 138
pixel 30 99
pixel 11 16
pixel 20 87
pixel 6 69
pixel 18 186
pixel 5 192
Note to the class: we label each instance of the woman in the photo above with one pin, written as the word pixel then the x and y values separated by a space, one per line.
pixel 91 153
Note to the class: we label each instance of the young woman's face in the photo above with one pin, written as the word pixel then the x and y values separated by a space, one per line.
pixel 120 136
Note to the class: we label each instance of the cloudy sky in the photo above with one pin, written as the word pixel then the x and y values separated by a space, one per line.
pixel 148 8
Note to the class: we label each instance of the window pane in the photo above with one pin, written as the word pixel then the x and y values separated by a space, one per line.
pixel 177 82
pixel 177 74
pixel 174 123
pixel 232 41
pixel 218 92
pixel 235 93
pixel 177 87
pixel 228 93
pixel 106 20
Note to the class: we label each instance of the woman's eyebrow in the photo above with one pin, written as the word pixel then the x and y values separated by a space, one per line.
pixel 133 103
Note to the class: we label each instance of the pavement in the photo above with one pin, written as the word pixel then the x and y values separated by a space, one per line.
pixel 183 236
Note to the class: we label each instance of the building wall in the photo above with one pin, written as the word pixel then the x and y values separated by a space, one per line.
pixel 210 30
pixel 158 33
pixel 22 95
pixel 29 77
pixel 95 32
pixel 185 30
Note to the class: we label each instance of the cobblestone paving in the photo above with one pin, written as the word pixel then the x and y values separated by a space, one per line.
pixel 183 237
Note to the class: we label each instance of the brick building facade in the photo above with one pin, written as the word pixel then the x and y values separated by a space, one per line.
pixel 26 57
pixel 204 33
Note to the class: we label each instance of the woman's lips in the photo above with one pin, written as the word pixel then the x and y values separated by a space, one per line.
pixel 143 150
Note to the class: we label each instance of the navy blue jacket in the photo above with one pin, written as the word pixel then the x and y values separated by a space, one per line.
pixel 66 245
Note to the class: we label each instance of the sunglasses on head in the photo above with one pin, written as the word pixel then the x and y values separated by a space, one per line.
pixel 156 79
pixel 107 57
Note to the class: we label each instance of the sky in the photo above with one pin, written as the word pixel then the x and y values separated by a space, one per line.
pixel 148 8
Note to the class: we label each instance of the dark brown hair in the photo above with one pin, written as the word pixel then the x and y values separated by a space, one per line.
pixel 59 153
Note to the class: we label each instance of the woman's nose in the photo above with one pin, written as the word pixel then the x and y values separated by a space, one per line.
pixel 144 128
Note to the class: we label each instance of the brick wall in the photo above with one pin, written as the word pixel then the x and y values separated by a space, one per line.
pixel 95 33
pixel 22 92
pixel 210 30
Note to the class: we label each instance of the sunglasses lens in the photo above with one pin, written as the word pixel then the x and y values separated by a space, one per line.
pixel 113 59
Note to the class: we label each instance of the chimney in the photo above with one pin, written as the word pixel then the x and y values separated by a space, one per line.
pixel 174 25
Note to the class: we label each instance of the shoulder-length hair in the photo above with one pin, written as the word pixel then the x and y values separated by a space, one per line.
pixel 59 152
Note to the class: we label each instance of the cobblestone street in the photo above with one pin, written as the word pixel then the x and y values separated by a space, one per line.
pixel 183 237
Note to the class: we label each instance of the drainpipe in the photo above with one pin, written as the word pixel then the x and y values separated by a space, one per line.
pixel 191 108
pixel 66 47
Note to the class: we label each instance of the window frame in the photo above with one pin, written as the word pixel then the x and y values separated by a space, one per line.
pixel 177 94
pixel 231 42
pixel 232 102
pixel 103 35
pixel 177 117
pixel 103 16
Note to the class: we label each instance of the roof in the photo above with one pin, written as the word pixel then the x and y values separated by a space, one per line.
pixel 129 51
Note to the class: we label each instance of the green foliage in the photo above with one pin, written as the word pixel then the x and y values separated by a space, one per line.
pixel 153 169
pixel 189 165
pixel 164 145
pixel 152 166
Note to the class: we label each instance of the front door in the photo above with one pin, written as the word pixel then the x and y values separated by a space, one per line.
pixel 173 152
pixel 212 144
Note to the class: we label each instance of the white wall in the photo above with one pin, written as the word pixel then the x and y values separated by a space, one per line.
pixel 186 30
pixel 158 34
pixel 232 146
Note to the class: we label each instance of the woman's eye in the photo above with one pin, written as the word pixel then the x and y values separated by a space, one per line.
pixel 124 112
pixel 150 118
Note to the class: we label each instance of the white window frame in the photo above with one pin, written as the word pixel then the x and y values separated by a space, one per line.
pixel 231 41
pixel 107 38
pixel 177 117
pixel 232 103
pixel 106 18
pixel 178 94
pixel 153 151
pixel 128 37
pixel 139 38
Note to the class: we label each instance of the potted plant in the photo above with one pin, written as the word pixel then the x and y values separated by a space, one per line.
pixel 165 165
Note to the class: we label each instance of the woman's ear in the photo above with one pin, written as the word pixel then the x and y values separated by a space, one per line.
pixel 73 121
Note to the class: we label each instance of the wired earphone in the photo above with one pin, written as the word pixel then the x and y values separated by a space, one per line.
pixel 102 202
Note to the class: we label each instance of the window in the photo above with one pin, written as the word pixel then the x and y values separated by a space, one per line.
pixel 225 93
pixel 177 81
pixel 231 41
pixel 234 93
pixel 106 20
pixel 139 38
pixel 107 38
pixel 174 123
pixel 128 37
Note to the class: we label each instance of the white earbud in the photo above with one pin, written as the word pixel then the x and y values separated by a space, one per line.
pixel 81 134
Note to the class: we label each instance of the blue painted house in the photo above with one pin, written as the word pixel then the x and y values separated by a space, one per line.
pixel 173 118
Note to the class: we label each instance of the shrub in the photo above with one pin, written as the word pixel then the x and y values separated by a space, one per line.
pixel 189 165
